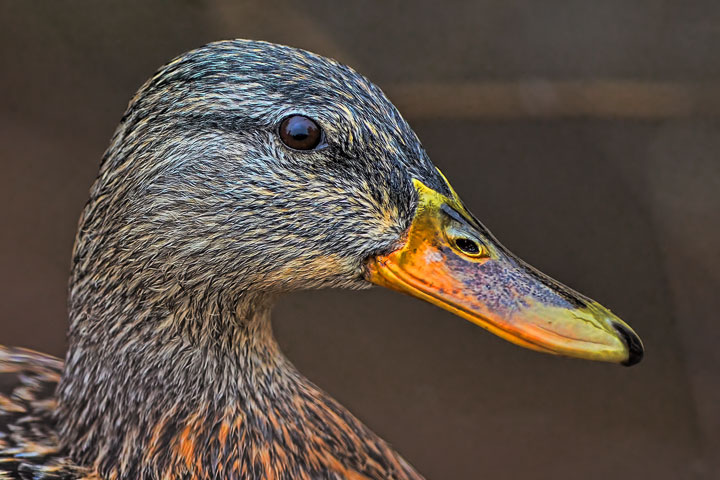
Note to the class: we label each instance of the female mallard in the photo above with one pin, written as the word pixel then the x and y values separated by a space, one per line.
pixel 242 170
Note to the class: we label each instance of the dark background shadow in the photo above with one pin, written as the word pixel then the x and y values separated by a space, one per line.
pixel 584 134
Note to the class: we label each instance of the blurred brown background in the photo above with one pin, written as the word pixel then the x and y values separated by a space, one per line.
pixel 585 134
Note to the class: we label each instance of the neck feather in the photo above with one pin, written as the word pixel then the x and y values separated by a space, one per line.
pixel 203 392
pixel 132 381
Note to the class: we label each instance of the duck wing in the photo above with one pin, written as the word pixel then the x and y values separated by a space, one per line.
pixel 29 447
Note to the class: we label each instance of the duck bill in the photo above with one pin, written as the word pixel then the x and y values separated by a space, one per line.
pixel 451 260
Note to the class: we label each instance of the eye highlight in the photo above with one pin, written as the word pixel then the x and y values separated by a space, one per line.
pixel 300 133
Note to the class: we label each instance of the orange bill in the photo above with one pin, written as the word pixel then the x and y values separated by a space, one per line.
pixel 451 260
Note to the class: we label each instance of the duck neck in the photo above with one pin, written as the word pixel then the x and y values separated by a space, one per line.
pixel 144 392
pixel 201 391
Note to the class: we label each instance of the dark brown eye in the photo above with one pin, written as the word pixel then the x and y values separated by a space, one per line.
pixel 300 133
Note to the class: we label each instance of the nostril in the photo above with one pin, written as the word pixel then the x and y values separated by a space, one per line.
pixel 468 246
pixel 635 346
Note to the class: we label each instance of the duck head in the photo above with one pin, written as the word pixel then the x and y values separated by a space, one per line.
pixel 251 167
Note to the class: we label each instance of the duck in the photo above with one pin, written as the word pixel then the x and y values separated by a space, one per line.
pixel 240 171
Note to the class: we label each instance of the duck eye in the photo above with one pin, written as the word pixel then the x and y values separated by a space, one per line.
pixel 300 133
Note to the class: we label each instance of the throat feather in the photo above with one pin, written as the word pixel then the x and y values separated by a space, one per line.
pixel 209 400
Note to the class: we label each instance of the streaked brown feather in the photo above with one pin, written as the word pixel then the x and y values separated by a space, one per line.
pixel 29 446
